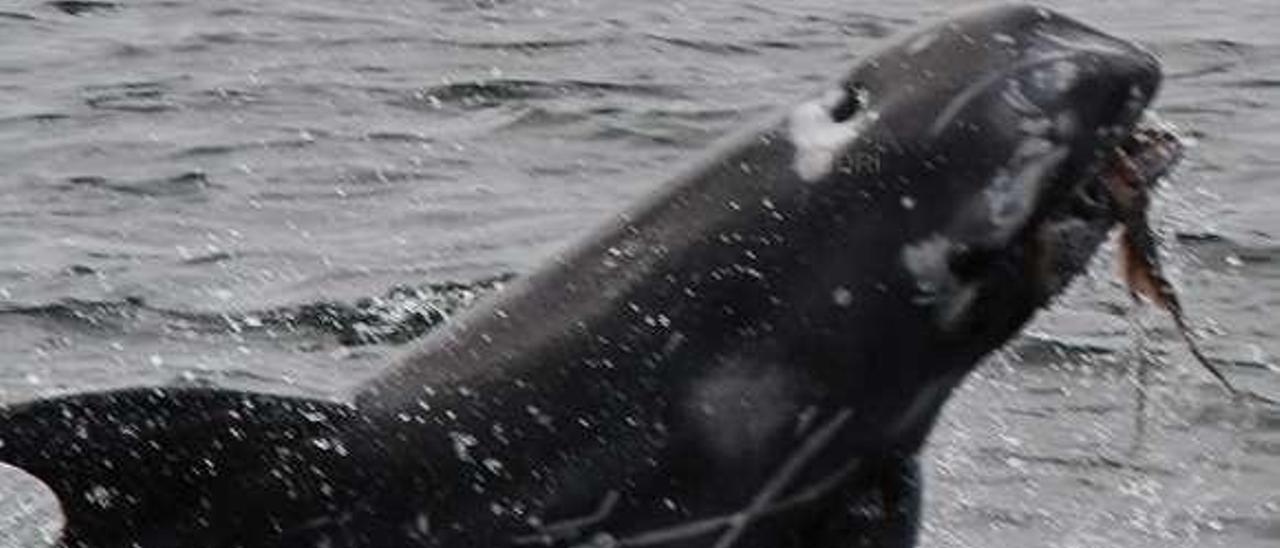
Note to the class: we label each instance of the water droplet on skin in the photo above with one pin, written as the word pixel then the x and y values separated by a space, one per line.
pixel 493 465
pixel 99 496
pixel 462 444
pixel 842 297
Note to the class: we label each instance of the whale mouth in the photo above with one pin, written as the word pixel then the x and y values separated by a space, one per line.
pixel 1130 171
pixel 1143 159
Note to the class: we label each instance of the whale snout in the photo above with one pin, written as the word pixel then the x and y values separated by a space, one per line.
pixel 1034 108
pixel 1116 89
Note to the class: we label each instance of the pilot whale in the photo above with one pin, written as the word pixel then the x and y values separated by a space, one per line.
pixel 752 357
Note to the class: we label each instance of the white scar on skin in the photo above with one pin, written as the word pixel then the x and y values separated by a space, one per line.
pixel 1012 195
pixel 818 138
pixel 928 261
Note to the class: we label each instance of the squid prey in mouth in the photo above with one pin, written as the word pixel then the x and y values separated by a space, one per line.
pixel 1129 177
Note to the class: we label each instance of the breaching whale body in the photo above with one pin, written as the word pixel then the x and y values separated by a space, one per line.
pixel 752 357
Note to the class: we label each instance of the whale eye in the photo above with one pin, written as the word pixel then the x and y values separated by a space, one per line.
pixel 854 99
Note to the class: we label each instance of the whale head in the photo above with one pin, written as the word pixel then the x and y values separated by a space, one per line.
pixel 976 153
pixel 994 131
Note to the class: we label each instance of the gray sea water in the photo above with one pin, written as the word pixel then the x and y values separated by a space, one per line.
pixel 278 194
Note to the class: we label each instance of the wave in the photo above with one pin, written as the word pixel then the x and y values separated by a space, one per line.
pixel 35 118
pixel 142 96
pixel 197 151
pixel 184 185
pixel 477 94
pixel 538 44
pixel 707 46
pixel 16 16
pixel 1256 83
pixel 83 7
pixel 1218 251
pixel 401 314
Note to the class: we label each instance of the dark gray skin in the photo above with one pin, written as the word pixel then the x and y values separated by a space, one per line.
pixel 752 357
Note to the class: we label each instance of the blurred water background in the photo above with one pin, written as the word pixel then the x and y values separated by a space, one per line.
pixel 278 194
